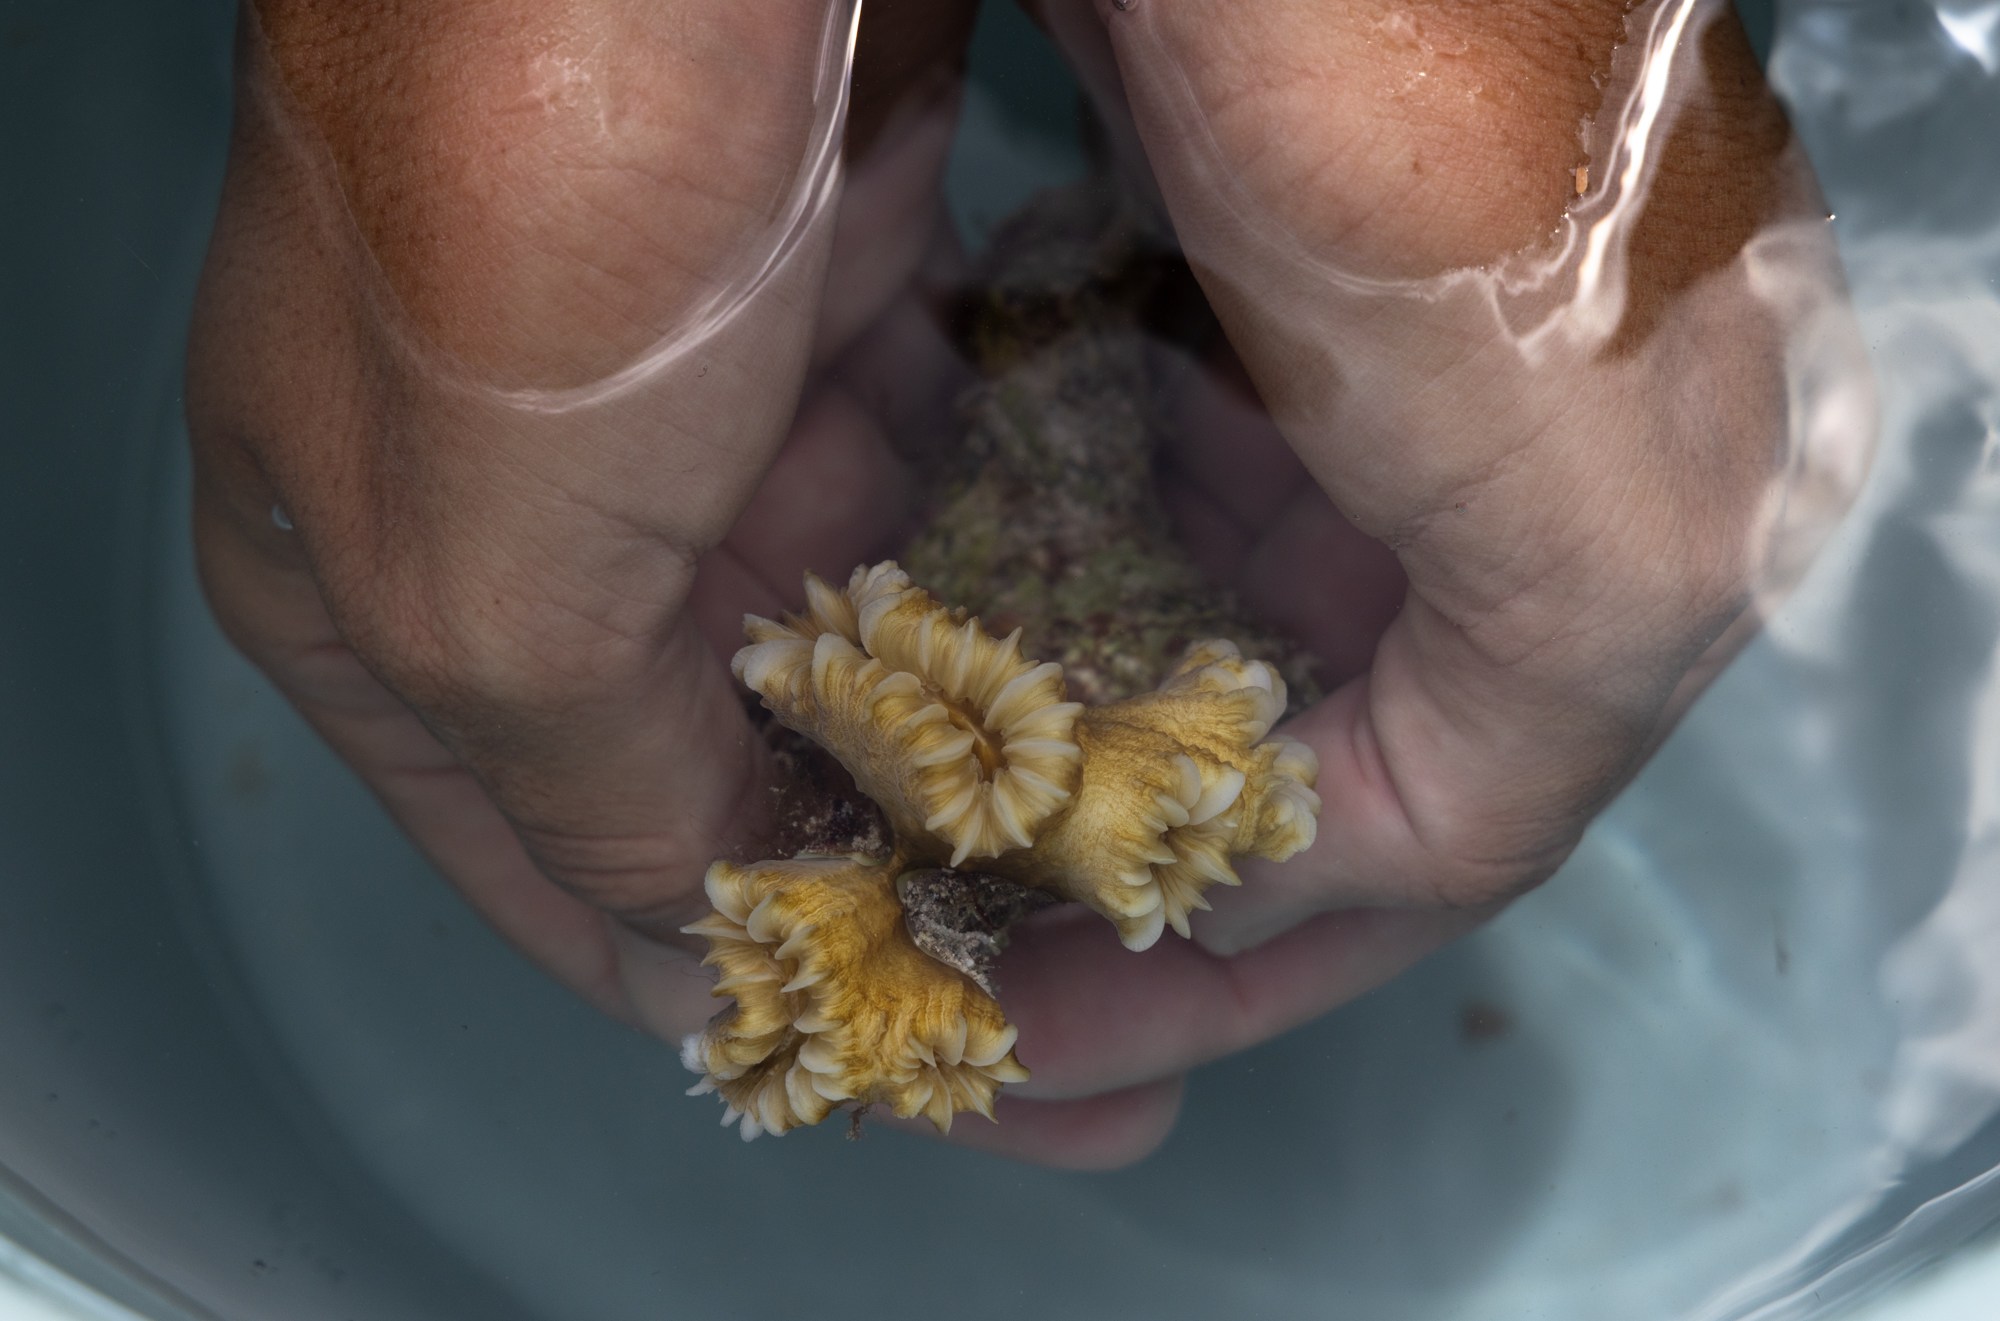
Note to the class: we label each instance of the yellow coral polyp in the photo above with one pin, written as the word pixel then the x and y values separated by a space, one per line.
pixel 967 746
pixel 1175 783
pixel 835 1004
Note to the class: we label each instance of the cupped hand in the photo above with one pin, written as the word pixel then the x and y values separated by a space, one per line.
pixel 537 344
pixel 1541 386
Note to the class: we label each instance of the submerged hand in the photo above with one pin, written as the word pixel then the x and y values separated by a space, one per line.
pixel 485 477
pixel 1525 506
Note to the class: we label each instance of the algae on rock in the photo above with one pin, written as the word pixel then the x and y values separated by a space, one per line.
pixel 1046 518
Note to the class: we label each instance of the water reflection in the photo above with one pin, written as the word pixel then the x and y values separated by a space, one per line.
pixel 1974 29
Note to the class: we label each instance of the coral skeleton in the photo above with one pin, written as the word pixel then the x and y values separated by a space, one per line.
pixel 1109 750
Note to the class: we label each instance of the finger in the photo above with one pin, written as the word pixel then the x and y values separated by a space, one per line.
pixel 1094 1017
pixel 725 590
pixel 1580 518
pixel 1224 440
pixel 1102 1132
pixel 1322 202
pixel 1451 780
pixel 836 496
pixel 906 57
pixel 1080 36
pixel 1218 544
pixel 905 370
pixel 840 492
pixel 908 86
pixel 1251 515
pixel 1340 608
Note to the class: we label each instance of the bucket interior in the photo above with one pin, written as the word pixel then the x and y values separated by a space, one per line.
pixel 1734 1060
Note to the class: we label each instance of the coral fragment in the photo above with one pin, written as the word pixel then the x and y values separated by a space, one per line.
pixel 835 1004
pixel 971 751
pixel 966 745
pixel 1176 783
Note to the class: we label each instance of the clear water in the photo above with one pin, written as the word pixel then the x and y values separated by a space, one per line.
pixel 1750 1032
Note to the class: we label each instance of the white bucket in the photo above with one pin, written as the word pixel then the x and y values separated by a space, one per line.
pixel 1740 1059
